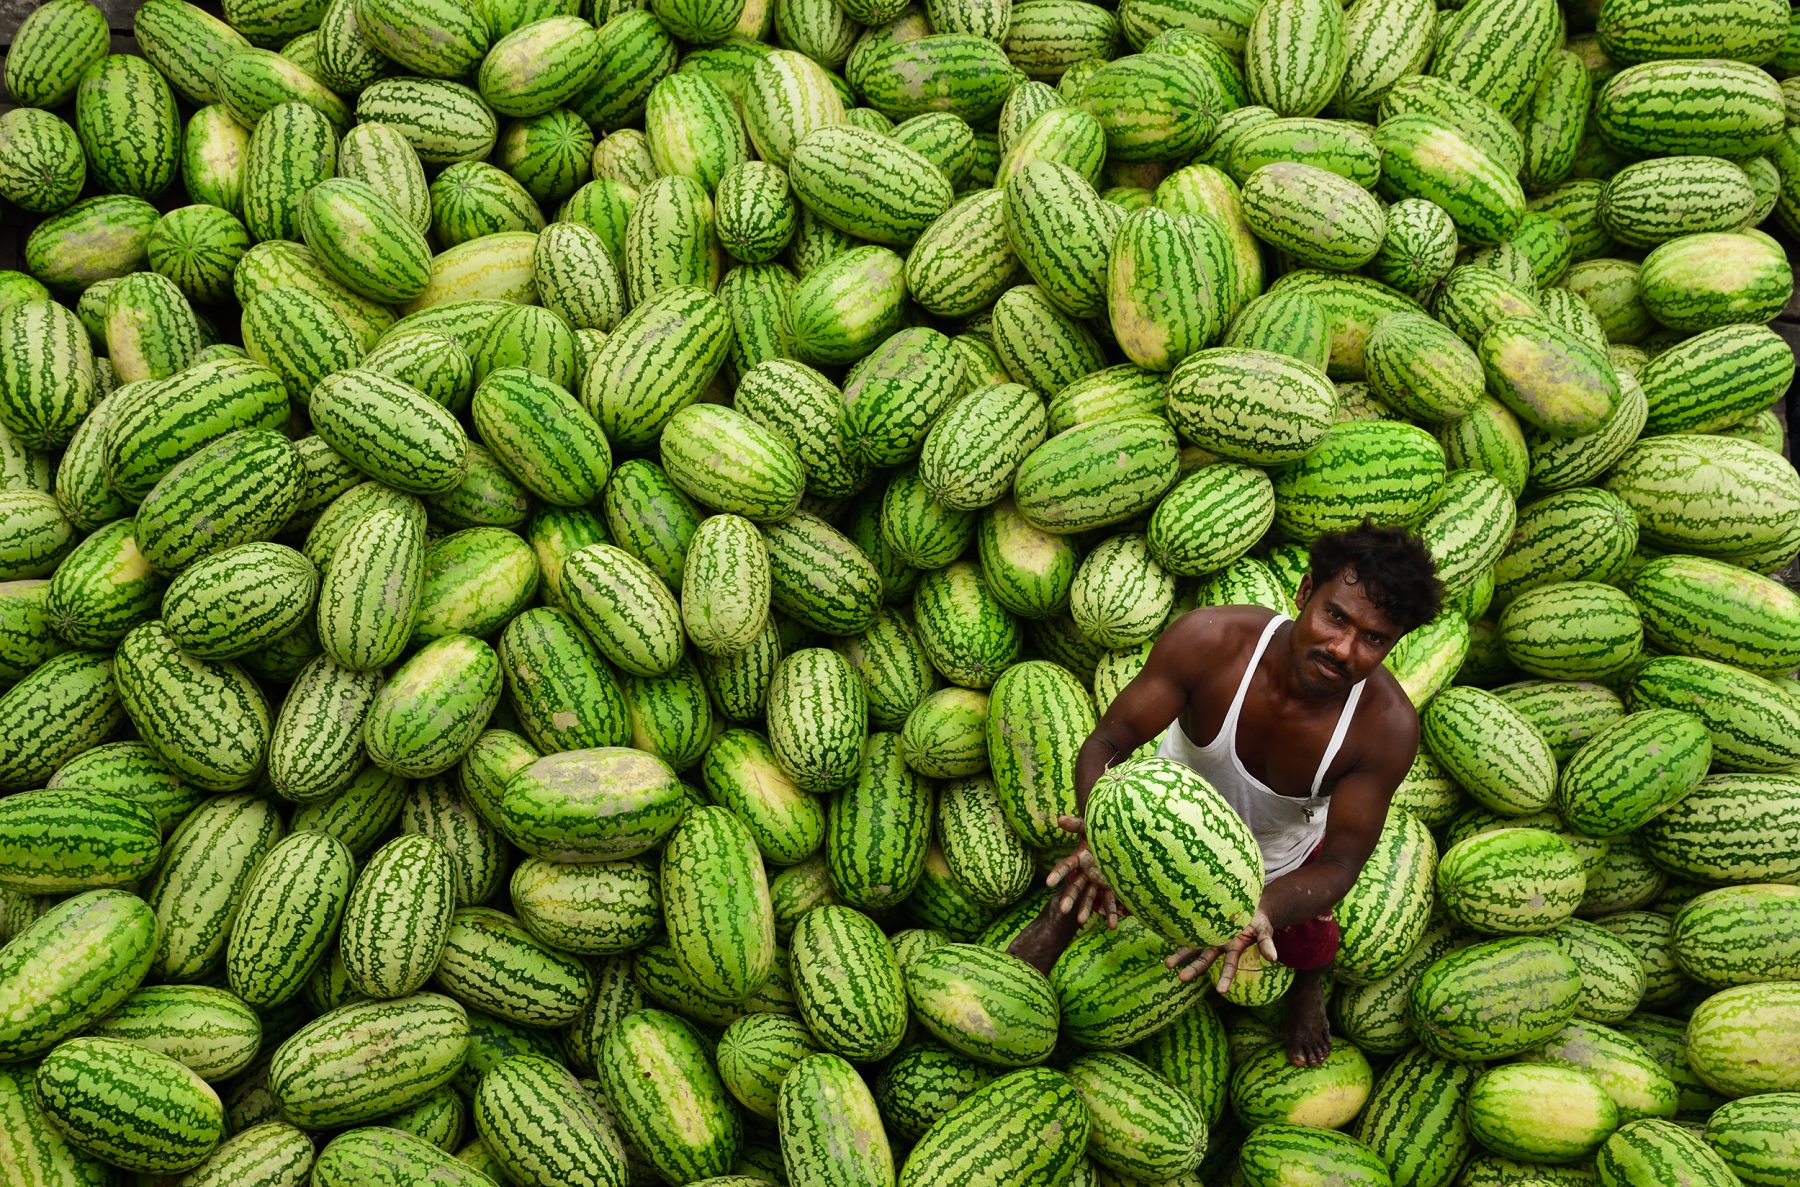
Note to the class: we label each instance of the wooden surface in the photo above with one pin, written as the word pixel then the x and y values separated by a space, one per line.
pixel 15 225
pixel 13 11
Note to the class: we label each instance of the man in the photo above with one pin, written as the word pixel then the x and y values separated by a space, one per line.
pixel 1304 733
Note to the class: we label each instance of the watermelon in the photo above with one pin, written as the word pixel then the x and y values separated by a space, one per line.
pixel 1193 893
pixel 1029 1126
pixel 322 1076
pixel 1272 1151
pixel 174 1119
pixel 829 1128
pixel 655 1071
pixel 1540 1113
pixel 1532 987
pixel 987 1004
pixel 1267 1089
pixel 1653 1150
pixel 1754 1138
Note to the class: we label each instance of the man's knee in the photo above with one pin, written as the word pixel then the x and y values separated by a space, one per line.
pixel 1312 944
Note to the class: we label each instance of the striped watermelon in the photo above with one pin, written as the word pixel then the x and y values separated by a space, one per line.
pixel 922 1083
pixel 1529 986
pixel 867 185
pixel 1036 714
pixel 207 864
pixel 1414 1119
pixel 46 372
pixel 1193 894
pixel 1139 1124
pixel 599 804
pixel 1755 1138
pixel 175 1120
pixel 53 48
pixel 755 1054
pixel 1466 729
pixel 1639 32
pixel 539 1121
pixel 1540 1113
pixel 1751 634
pixel 1734 935
pixel 491 963
pixel 1634 769
pixel 325 1075
pixel 1730 109
pixel 1654 1150
pixel 1387 911
pixel 1396 469
pixel 846 984
pixel 715 904
pixel 668 1098
pixel 986 1004
pixel 1750 719
pixel 42 166
pixel 397 917
pixel 1253 406
pixel 1281 203
pixel 1572 630
pixel 875 831
pixel 829 1129
pixel 1267 1089
pixel 1273 1151
pixel 1424 157
pixel 1029 1126
pixel 125 115
pixel 287 916
pixel 86 955
pixel 59 840
pixel 1511 881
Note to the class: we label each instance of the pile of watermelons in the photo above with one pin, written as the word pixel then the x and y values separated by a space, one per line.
pixel 555 559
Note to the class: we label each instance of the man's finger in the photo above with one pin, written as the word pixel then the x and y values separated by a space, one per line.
pixel 1198 966
pixel 1228 968
pixel 1267 947
pixel 1192 961
pixel 1070 824
pixel 1089 891
pixel 1062 869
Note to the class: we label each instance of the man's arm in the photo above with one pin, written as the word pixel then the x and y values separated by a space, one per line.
pixel 1359 807
pixel 1143 708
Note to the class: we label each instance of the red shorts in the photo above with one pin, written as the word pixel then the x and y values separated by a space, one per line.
pixel 1311 943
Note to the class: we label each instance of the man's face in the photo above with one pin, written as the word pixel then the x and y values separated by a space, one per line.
pixel 1340 636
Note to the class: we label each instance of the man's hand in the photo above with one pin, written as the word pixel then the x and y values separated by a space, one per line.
pixel 1194 961
pixel 1087 892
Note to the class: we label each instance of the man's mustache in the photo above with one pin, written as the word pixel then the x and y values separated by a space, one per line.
pixel 1333 664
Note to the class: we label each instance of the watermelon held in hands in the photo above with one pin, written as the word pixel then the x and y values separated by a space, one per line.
pixel 1174 851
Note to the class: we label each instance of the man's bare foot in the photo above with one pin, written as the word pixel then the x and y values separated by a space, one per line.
pixel 1045 937
pixel 1308 1032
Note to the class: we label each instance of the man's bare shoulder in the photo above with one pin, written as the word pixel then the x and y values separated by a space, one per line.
pixel 1202 642
pixel 1220 623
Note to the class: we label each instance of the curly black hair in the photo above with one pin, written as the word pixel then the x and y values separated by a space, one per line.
pixel 1392 565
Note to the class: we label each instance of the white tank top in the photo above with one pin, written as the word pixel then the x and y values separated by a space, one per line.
pixel 1286 827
